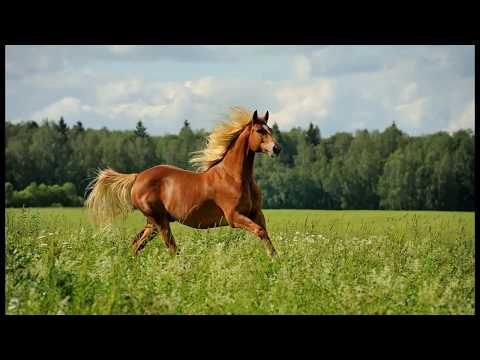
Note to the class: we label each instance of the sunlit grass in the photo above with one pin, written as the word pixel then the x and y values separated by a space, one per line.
pixel 330 262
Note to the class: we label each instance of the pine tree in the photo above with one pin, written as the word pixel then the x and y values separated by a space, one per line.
pixel 140 130
pixel 78 127
pixel 31 125
pixel 186 144
pixel 312 135
pixel 62 127
pixel 186 132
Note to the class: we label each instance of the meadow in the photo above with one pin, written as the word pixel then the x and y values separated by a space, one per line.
pixel 330 262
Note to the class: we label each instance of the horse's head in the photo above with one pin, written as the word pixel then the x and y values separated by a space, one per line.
pixel 261 138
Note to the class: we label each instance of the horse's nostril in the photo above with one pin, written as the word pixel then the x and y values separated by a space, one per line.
pixel 277 149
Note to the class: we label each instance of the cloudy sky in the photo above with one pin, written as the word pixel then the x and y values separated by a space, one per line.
pixel 340 88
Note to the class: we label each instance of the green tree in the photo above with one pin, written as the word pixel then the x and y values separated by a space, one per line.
pixel 366 170
pixel 9 189
pixel 288 152
pixel 390 139
pixel 78 128
pixel 463 166
pixel 361 172
pixel 62 125
pixel 140 130
pixel 312 135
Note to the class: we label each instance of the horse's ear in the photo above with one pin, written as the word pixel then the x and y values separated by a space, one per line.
pixel 266 116
pixel 255 116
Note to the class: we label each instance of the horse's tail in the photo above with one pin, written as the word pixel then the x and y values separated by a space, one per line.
pixel 110 196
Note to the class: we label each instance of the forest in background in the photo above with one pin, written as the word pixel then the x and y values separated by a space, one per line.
pixel 50 164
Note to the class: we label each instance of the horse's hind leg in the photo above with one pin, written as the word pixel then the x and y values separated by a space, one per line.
pixel 143 237
pixel 138 236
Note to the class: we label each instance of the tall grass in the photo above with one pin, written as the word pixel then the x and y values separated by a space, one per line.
pixel 330 262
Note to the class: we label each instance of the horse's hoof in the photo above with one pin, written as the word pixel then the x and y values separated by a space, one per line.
pixel 136 249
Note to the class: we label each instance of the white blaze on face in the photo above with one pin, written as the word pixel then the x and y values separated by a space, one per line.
pixel 268 148
pixel 267 129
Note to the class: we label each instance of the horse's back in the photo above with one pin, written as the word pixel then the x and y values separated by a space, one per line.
pixel 164 169
pixel 159 173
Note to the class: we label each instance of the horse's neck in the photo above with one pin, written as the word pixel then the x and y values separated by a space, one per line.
pixel 239 158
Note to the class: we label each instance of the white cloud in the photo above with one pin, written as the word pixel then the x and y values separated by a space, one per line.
pixel 118 90
pixel 202 87
pixel 300 104
pixel 136 110
pixel 339 88
pixel 409 92
pixel 466 120
pixel 302 67
pixel 67 106
pixel 413 112
pixel 163 106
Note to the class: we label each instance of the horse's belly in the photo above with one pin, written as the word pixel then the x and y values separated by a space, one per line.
pixel 205 216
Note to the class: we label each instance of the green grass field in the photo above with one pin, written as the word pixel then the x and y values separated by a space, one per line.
pixel 330 262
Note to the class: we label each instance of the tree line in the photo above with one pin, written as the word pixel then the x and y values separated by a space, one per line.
pixel 52 163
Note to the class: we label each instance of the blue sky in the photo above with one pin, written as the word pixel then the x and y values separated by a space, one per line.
pixel 339 88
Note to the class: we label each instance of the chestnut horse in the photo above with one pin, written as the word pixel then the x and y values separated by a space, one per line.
pixel 223 191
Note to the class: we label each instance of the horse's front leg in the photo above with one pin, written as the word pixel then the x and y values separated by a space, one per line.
pixel 235 219
pixel 259 219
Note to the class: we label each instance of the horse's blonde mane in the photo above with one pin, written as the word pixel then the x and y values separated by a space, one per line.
pixel 220 139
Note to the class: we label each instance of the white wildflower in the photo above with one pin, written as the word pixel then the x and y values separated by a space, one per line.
pixel 13 304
